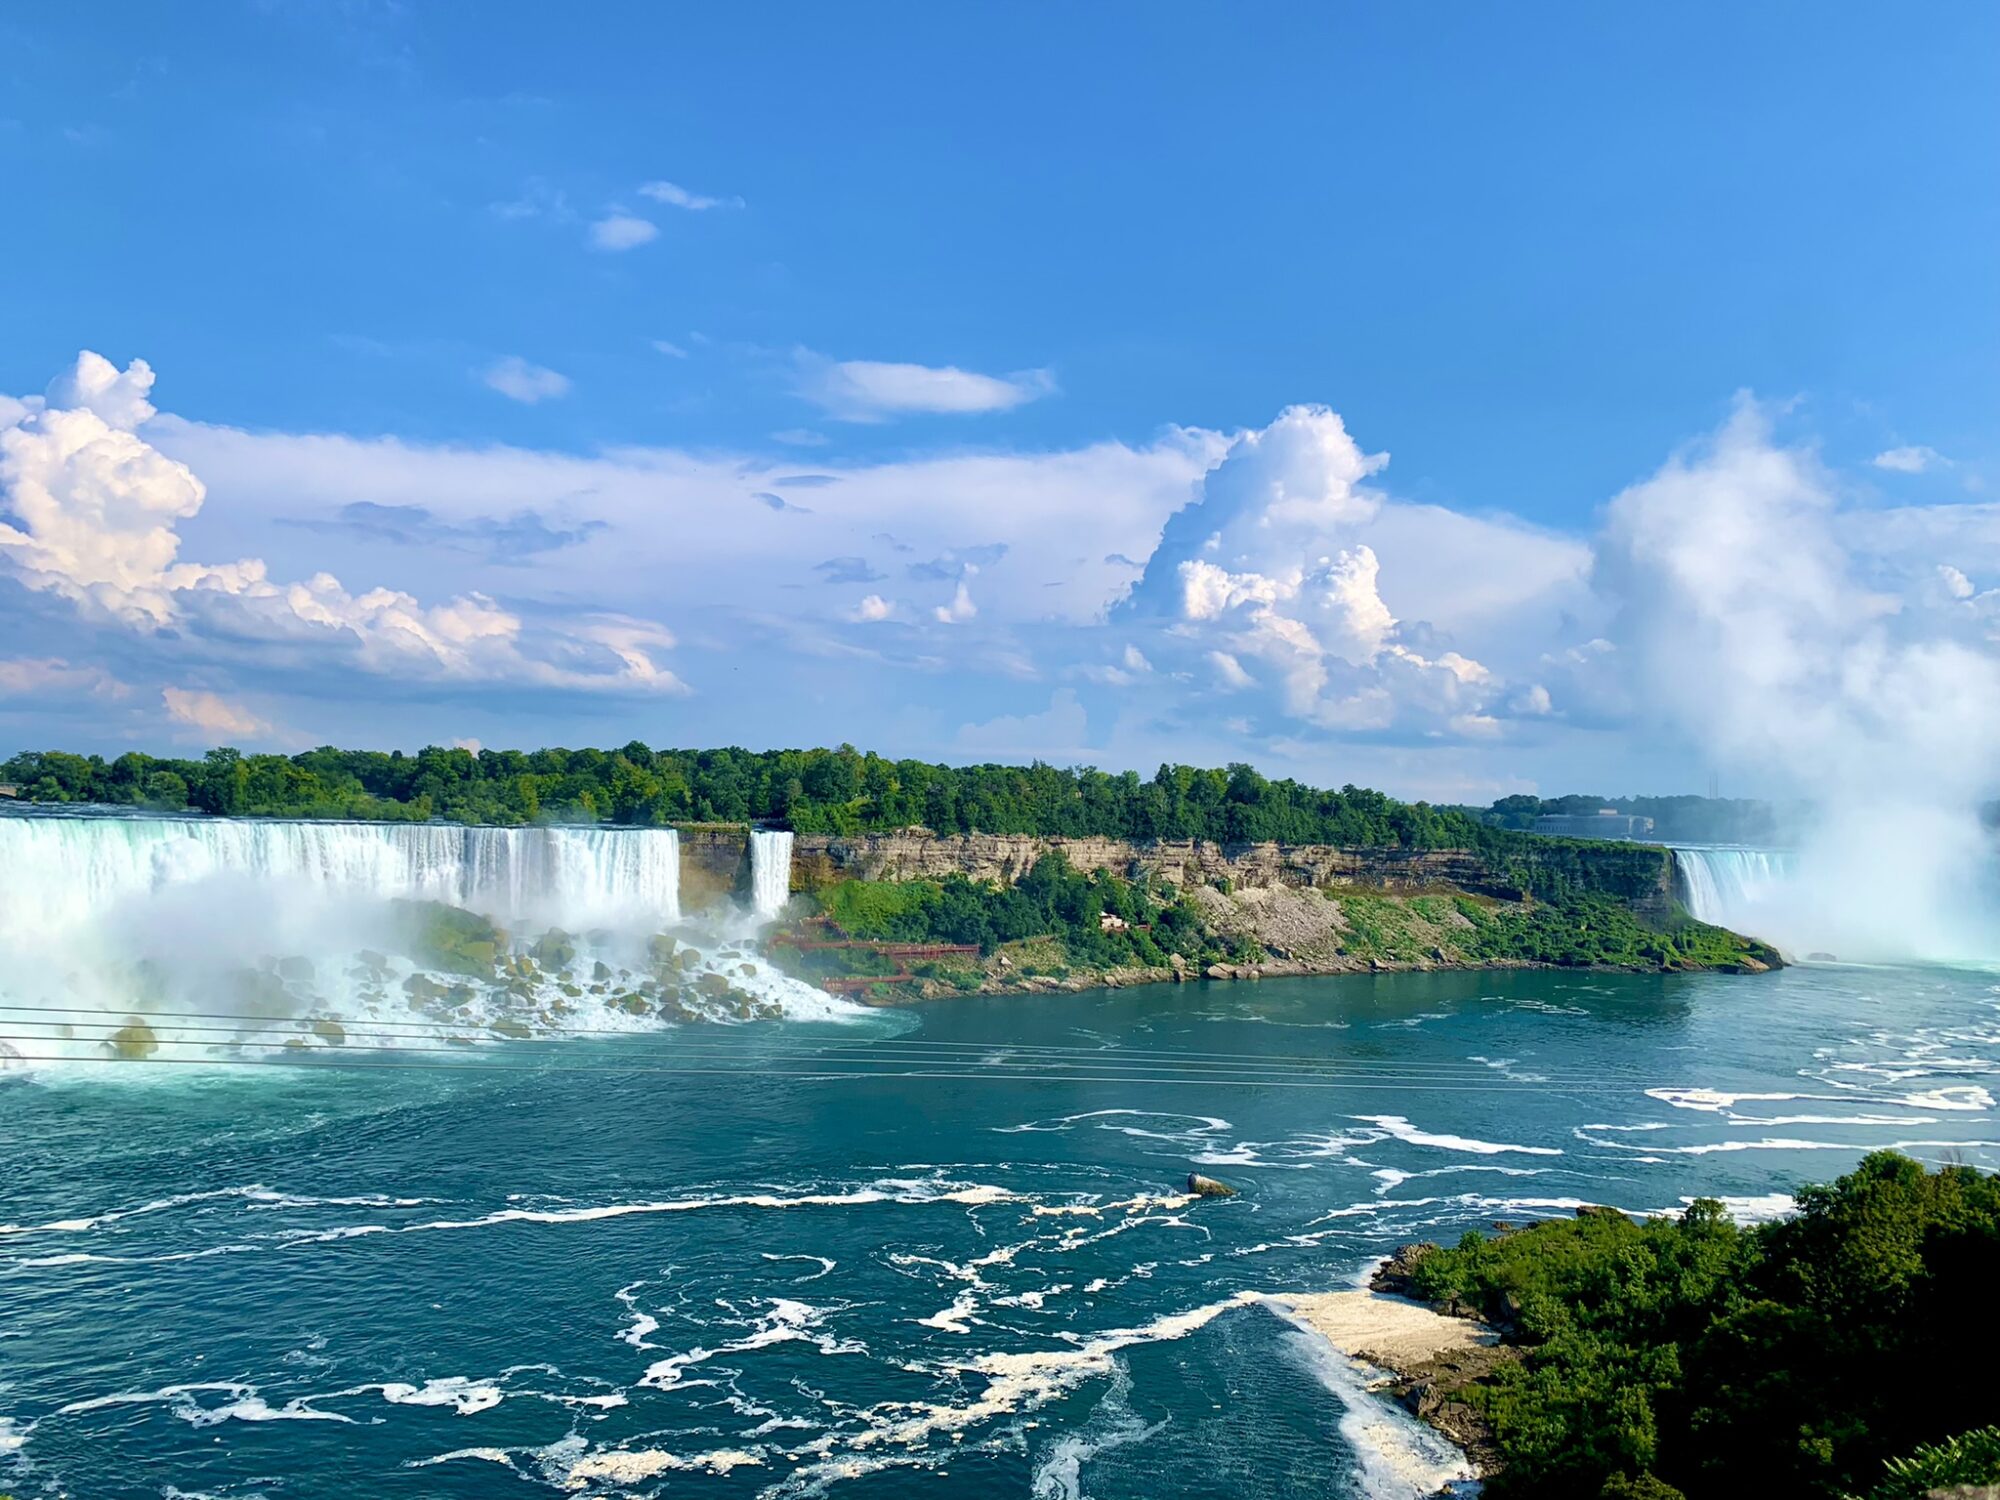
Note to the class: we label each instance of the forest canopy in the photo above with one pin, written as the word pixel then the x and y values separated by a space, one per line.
pixel 811 791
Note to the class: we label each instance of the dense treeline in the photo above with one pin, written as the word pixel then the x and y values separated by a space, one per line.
pixel 812 791
pixel 1690 1357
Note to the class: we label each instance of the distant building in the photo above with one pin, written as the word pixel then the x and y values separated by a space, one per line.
pixel 1605 823
pixel 8 789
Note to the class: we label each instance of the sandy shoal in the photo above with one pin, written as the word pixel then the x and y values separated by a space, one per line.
pixel 1383 1330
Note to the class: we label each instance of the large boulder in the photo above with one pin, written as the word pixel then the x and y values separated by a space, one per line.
pixel 554 949
pixel 450 938
pixel 1208 1187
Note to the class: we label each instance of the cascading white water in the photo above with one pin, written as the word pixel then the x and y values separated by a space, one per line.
pixel 296 933
pixel 57 871
pixel 770 872
pixel 1730 886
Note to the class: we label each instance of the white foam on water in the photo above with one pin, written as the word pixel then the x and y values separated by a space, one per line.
pixel 244 1405
pixel 1957 1096
pixel 255 1194
pixel 464 1396
pixel 787 1321
pixel 642 1324
pixel 1781 1143
pixel 629 1465
pixel 487 1455
pixel 824 1262
pixel 1400 1128
pixel 1392 1178
pixel 1113 1425
pixel 1397 1457
pixel 897 1191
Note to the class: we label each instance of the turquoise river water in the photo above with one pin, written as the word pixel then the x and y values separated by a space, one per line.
pixel 932 1251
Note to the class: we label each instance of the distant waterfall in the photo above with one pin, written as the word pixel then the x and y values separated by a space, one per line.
pixel 1728 886
pixel 58 871
pixel 770 872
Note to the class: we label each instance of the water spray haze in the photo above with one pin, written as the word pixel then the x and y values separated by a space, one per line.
pixel 1751 626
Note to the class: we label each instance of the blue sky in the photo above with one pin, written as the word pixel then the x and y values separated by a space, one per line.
pixel 616 347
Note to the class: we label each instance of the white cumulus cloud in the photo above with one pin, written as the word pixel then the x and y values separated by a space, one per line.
pixel 212 714
pixel 1269 565
pixel 96 510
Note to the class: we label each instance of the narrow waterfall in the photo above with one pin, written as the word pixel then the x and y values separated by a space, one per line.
pixel 1729 886
pixel 770 872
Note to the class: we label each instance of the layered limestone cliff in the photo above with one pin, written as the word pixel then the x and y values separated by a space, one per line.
pixel 715 864
pixel 1640 875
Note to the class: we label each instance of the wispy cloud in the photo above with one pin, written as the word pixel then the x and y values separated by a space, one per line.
pixel 518 380
pixel 514 538
pixel 868 390
pixel 1916 459
pixel 675 196
pixel 538 200
pixel 618 230
pixel 669 348
pixel 48 677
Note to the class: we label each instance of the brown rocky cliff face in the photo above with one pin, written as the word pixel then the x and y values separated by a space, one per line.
pixel 1642 876
pixel 715 865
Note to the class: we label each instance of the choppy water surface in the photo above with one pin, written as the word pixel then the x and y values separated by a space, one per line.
pixel 651 1263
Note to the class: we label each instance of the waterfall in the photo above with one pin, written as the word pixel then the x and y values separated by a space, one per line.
pixel 186 938
pixel 1730 886
pixel 770 872
pixel 57 871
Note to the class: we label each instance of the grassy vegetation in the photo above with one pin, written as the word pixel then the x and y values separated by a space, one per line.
pixel 1583 929
pixel 1064 912
pixel 1687 1356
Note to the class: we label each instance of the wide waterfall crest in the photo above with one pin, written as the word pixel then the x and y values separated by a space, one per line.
pixel 1728 885
pixel 135 935
pixel 770 871
pixel 56 871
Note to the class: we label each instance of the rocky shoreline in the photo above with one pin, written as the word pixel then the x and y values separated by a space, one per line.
pixel 1430 1355
pixel 1002 982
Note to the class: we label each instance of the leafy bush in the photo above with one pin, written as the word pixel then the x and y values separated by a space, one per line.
pixel 1792 1359
pixel 1969 1458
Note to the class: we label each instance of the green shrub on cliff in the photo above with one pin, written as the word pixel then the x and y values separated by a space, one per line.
pixel 1578 928
pixel 1969 1458
pixel 1051 900
pixel 1792 1359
